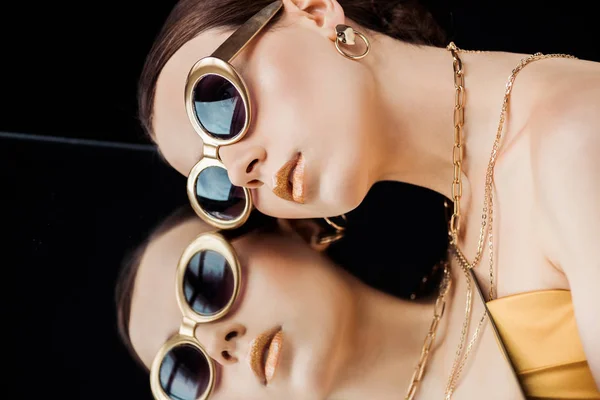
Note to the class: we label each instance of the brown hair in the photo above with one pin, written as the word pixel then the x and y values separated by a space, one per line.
pixel 126 279
pixel 405 20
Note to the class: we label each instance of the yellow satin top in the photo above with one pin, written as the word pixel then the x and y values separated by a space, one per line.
pixel 540 335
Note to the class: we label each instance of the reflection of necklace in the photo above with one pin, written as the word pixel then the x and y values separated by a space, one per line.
pixel 438 313
pixel 487 214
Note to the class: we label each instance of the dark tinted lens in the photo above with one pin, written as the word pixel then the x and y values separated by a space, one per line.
pixel 218 196
pixel 208 282
pixel 219 107
pixel 184 373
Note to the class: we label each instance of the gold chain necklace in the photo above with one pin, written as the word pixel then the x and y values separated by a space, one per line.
pixel 487 213
pixel 438 312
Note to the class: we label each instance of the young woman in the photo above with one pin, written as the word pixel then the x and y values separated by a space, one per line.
pixel 335 95
pixel 261 315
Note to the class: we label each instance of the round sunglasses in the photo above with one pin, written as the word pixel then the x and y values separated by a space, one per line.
pixel 207 285
pixel 219 107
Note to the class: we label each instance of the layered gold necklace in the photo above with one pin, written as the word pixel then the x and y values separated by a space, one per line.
pixel 438 312
pixel 486 228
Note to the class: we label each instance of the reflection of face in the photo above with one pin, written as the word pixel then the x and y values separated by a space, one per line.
pixel 306 98
pixel 284 283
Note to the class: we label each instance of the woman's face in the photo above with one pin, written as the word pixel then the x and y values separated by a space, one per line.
pixel 307 99
pixel 284 284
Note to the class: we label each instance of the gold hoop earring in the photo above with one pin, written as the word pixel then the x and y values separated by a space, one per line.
pixel 338 223
pixel 324 238
pixel 346 35
pixel 316 233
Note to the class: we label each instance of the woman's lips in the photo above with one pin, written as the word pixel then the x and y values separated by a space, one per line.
pixel 272 356
pixel 288 183
pixel 264 355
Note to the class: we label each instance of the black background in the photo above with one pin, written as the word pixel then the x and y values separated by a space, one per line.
pixel 69 70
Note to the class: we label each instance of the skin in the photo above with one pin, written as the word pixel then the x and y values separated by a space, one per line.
pixel 333 325
pixel 356 342
pixel 389 117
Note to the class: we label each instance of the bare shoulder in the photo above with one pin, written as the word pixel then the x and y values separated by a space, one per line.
pixel 564 129
pixel 564 123
pixel 565 160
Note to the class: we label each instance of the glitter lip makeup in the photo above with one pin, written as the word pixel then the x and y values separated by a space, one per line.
pixel 264 354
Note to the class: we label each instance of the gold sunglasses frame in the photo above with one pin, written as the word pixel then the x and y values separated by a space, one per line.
pixel 211 241
pixel 218 63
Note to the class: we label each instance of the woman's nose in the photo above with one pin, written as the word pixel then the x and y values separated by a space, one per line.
pixel 222 344
pixel 244 164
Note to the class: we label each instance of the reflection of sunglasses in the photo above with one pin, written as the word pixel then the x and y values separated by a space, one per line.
pixel 218 105
pixel 207 285
pixel 208 282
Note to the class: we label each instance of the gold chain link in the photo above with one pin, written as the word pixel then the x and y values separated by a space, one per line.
pixel 438 313
pixel 487 213
pixel 460 359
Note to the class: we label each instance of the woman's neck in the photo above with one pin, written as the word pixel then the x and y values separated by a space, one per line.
pixel 386 344
pixel 417 93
